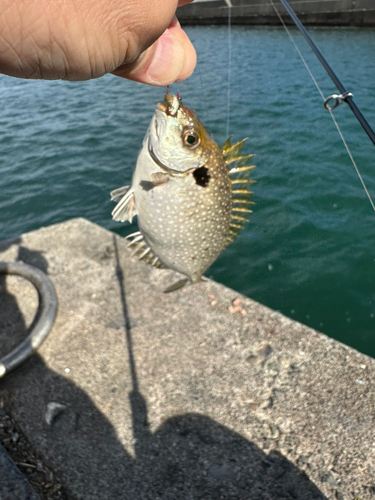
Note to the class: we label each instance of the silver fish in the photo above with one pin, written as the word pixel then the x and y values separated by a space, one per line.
pixel 190 206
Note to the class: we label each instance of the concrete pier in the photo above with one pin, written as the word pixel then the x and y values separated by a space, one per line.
pixel 259 12
pixel 198 394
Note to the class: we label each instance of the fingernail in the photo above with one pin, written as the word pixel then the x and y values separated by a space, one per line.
pixel 167 61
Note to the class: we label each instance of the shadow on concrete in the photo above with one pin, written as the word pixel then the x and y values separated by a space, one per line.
pixel 189 456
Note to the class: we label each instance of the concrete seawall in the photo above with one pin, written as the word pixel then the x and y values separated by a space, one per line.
pixel 176 396
pixel 261 12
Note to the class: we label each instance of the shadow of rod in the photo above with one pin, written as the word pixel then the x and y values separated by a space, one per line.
pixel 141 432
pixel 120 279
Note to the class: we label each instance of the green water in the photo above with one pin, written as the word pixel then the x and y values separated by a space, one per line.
pixel 308 250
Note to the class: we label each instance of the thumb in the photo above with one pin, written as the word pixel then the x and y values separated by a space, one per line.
pixel 171 58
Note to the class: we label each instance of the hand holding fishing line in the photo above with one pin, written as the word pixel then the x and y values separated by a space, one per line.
pixel 140 40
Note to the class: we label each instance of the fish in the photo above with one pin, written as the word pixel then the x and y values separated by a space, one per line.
pixel 191 196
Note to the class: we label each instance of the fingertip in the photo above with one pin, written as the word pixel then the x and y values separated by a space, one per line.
pixel 171 58
pixel 190 57
pixel 167 61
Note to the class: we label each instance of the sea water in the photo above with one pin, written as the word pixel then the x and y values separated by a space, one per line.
pixel 309 248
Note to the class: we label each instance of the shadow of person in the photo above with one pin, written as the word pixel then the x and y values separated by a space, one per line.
pixel 188 457
pixel 32 257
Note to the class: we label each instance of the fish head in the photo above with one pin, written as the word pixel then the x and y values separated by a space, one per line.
pixel 177 140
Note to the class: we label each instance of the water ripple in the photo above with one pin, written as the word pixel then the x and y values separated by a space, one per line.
pixel 309 248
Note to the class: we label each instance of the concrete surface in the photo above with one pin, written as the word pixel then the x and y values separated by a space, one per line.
pixel 13 485
pixel 181 396
pixel 258 12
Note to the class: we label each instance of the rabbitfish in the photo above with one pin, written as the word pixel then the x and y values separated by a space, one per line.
pixel 190 206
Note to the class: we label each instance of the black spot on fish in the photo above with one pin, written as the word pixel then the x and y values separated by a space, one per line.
pixel 147 185
pixel 201 176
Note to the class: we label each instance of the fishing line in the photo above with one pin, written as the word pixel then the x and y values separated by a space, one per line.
pixel 206 113
pixel 229 6
pixel 348 99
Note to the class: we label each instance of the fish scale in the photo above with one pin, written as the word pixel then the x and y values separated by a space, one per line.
pixel 183 194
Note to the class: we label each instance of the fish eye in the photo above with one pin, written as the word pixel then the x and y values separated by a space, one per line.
pixel 191 139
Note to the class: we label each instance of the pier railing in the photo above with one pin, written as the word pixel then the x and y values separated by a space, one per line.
pixel 261 12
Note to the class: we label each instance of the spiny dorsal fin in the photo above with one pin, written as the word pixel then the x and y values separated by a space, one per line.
pixel 240 179
pixel 142 250
pixel 239 160
pixel 231 151
pixel 226 144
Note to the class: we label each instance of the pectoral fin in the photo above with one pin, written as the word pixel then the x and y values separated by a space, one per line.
pixel 125 208
pixel 159 178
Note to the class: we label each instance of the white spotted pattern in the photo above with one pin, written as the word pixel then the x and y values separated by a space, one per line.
pixel 185 224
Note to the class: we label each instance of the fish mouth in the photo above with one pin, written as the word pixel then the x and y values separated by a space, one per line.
pixel 169 106
pixel 167 170
pixel 162 107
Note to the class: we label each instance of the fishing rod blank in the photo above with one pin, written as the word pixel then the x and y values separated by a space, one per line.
pixel 344 95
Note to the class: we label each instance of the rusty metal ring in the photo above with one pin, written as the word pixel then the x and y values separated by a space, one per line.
pixel 48 305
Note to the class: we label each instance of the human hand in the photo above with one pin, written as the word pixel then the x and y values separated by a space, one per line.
pixel 77 40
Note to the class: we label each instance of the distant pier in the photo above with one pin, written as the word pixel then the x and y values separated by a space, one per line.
pixel 261 12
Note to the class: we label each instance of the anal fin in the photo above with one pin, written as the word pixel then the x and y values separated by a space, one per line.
pixel 143 251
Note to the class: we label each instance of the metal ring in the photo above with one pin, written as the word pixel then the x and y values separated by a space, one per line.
pixel 338 98
pixel 48 304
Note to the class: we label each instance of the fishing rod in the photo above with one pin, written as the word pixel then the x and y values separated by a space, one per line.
pixel 344 95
